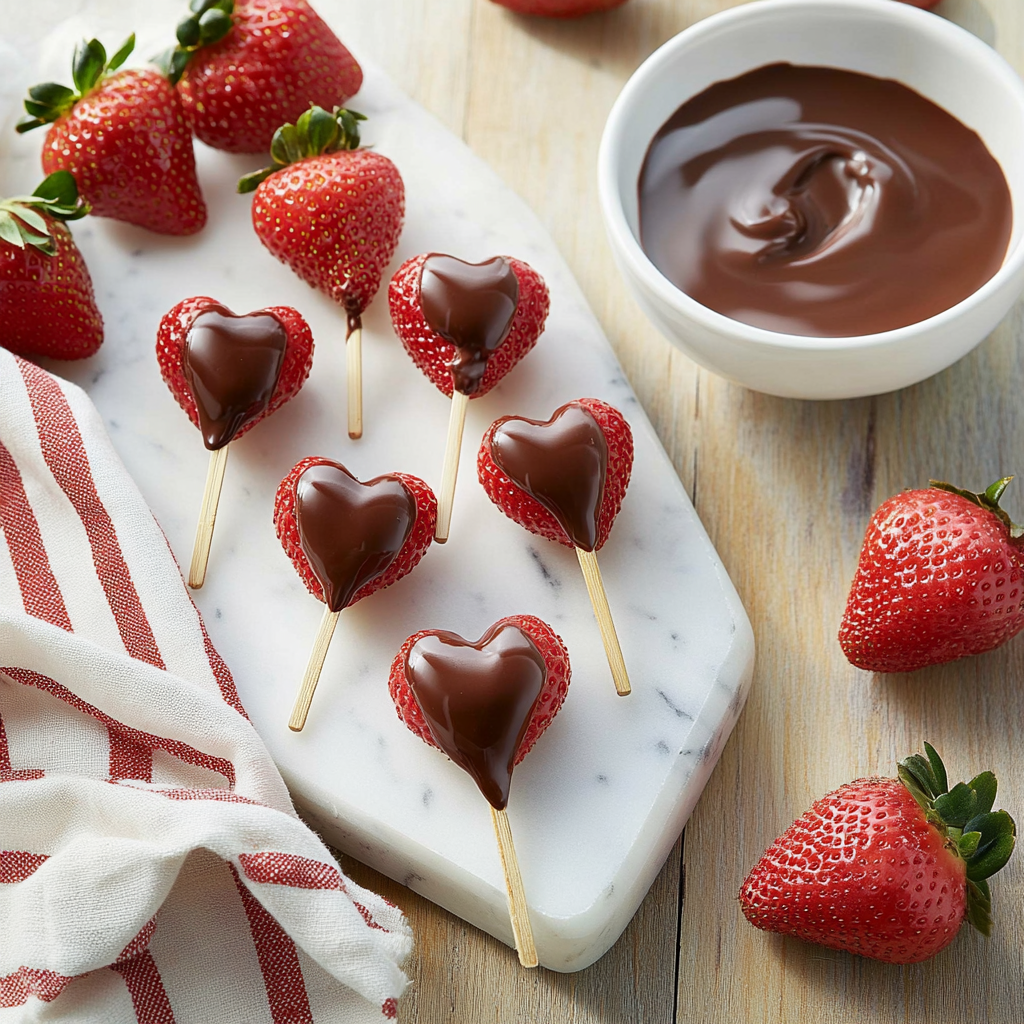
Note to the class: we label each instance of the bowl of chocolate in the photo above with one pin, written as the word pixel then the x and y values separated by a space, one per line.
pixel 819 198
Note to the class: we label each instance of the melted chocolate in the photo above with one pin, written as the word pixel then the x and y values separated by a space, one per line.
pixel 563 463
pixel 350 532
pixel 232 364
pixel 822 202
pixel 472 305
pixel 477 699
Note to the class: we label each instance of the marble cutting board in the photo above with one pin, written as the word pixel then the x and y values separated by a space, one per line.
pixel 597 805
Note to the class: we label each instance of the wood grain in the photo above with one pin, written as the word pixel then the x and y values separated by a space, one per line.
pixel 785 489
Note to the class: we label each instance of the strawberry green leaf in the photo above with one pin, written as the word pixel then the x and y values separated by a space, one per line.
pixel 90 58
pixel 968 844
pixel 32 219
pixel 122 54
pixel 50 94
pixel 214 25
pixel 60 187
pixel 937 767
pixel 979 906
pixel 998 837
pixel 9 231
pixel 985 786
pixel 187 32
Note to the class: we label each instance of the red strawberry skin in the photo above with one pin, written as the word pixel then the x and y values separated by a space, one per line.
pixel 559 8
pixel 524 509
pixel 432 354
pixel 335 220
pixel 130 150
pixel 47 305
pixel 938 579
pixel 863 871
pixel 415 547
pixel 277 59
pixel 173 334
pixel 552 650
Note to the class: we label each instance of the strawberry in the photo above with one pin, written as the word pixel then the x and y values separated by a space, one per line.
pixel 47 306
pixel 329 210
pixel 493 716
pixel 543 512
pixel 171 349
pixel 940 576
pixel 124 138
pixel 438 356
pixel 560 8
pixel 885 868
pixel 347 548
pixel 244 68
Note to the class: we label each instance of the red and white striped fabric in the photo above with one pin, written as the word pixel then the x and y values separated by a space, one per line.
pixel 152 868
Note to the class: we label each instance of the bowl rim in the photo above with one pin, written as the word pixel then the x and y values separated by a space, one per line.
pixel 640 265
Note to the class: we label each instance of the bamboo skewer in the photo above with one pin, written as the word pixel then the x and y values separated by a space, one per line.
pixel 207 517
pixel 354 367
pixel 313 670
pixel 598 598
pixel 518 910
pixel 450 473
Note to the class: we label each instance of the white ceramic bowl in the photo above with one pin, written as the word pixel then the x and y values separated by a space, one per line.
pixel 883 38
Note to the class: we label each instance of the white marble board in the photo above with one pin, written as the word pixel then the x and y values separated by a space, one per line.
pixel 597 805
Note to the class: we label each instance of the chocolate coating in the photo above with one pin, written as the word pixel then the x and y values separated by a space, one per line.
pixel 562 462
pixel 822 202
pixel 350 531
pixel 232 364
pixel 477 699
pixel 471 305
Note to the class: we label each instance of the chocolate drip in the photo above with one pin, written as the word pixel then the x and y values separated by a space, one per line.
pixel 472 305
pixel 232 364
pixel 350 532
pixel 822 202
pixel 562 462
pixel 477 699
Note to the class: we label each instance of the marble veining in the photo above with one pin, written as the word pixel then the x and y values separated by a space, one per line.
pixel 597 805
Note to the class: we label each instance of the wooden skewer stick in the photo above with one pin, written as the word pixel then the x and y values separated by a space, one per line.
pixel 598 598
pixel 313 670
pixel 452 450
pixel 354 367
pixel 517 908
pixel 207 517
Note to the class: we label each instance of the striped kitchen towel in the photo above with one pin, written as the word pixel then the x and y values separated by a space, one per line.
pixel 152 868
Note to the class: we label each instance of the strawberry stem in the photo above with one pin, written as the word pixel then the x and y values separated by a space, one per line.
pixel 315 132
pixel 21 217
pixel 988 500
pixel 981 837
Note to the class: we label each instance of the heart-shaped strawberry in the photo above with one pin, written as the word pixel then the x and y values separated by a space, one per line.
pixel 563 479
pixel 486 703
pixel 349 539
pixel 228 371
pixel 467 324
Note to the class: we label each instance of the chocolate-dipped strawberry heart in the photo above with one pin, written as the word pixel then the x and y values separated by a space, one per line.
pixel 230 371
pixel 348 539
pixel 563 478
pixel 465 325
pixel 485 703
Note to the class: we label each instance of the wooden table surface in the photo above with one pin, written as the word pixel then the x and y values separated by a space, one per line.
pixel 785 489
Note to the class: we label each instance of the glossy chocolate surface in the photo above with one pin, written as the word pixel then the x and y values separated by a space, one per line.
pixel 232 364
pixel 350 532
pixel 822 202
pixel 477 699
pixel 563 463
pixel 472 305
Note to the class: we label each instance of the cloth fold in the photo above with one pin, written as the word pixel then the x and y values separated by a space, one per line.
pixel 152 867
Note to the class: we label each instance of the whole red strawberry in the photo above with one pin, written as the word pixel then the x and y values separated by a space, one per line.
pixel 340 533
pixel 560 8
pixel 328 209
pixel 885 868
pixel 171 347
pixel 124 138
pixel 245 67
pixel 940 577
pixel 436 355
pixel 595 488
pixel 474 678
pixel 47 306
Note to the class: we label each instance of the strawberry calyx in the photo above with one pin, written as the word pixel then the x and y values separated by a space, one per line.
pixel 21 217
pixel 981 837
pixel 208 22
pixel 988 500
pixel 90 66
pixel 316 132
